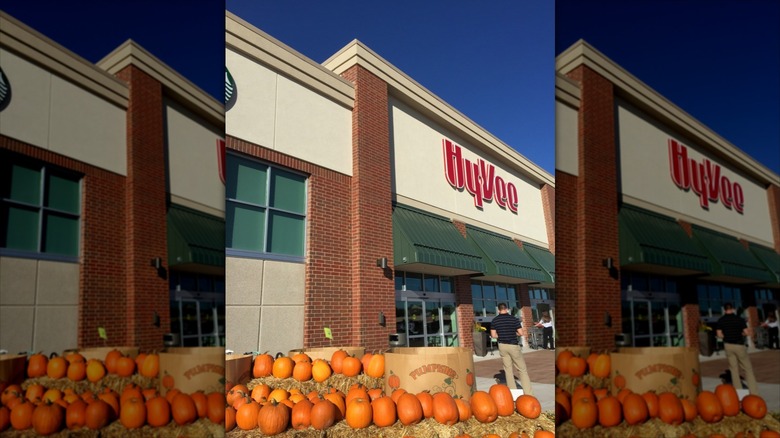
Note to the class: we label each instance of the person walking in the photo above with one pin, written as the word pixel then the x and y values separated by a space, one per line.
pixel 506 328
pixel 546 325
pixel 772 327
pixel 733 329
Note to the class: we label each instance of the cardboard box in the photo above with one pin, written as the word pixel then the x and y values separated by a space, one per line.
pixel 434 369
pixel 327 352
pixel 191 369
pixel 12 368
pixel 673 369
pixel 101 352
pixel 238 368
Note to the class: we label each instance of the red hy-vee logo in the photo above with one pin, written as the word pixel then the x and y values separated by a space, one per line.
pixel 478 178
pixel 704 178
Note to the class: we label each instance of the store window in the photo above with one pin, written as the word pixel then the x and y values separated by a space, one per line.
pixel 40 209
pixel 197 309
pixel 265 210
pixel 712 297
pixel 413 281
pixel 486 295
pixel 767 301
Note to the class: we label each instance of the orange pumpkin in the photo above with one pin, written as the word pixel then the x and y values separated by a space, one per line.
pixel 584 413
pixel 263 365
pixel 383 411
pixel 338 400
pixel 260 392
pixel 21 415
pixel 528 406
pixel 376 366
pixel 36 365
pixel 95 370
pixel 57 367
pixel 409 409
pixel 359 413
pixel 216 407
pixel 151 366
pixel 112 400
pixel 158 412
pixel 396 394
pixel 5 418
pixel 47 418
pixel 132 413
pixel 729 400
pixel 34 393
pixel 754 406
pixel 283 367
pixel 483 407
pixel 610 411
pixel 562 397
pixel 183 409
pixel 300 416
pixel 320 370
pixel 273 418
pixel 375 393
pixel 602 366
pixel 125 366
pixel 583 390
pixel 246 416
pixel 634 409
pixel 300 357
pixel 445 411
pixel 97 414
pixel 230 418
pixel 351 366
pixel 562 361
pixel 110 360
pixel 577 366
pixel 464 409
pixel 337 360
pixel 323 414
pixel 708 405
pixel 689 409
pixel 426 401
pixel 278 395
pixel 302 371
pixel 651 398
pixel 356 391
pixel 543 434
pixel 365 360
pixel 767 433
pixel 131 390
pixel 502 396
pixel 201 403
pixel 76 414
pixel 670 409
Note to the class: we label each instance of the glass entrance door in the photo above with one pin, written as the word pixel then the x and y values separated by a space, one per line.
pixel 429 322
pixel 652 323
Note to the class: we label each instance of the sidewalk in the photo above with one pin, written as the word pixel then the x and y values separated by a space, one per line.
pixel 541 371
pixel 766 367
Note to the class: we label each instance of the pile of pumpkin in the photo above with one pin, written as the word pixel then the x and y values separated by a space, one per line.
pixel 69 395
pixel 584 407
pixel 274 403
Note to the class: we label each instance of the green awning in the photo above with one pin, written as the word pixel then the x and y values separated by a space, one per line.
pixel 195 237
pixel 651 238
pixel 769 257
pixel 729 257
pixel 424 238
pixel 542 256
pixel 505 258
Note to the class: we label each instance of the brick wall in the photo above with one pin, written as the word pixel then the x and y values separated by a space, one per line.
pixel 145 205
pixel 566 262
pixel 328 279
pixel 690 328
pixel 773 194
pixel 371 210
pixel 102 257
pixel 596 291
pixel 465 302
pixel 548 205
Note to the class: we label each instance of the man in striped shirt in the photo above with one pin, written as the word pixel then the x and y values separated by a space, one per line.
pixel 732 329
pixel 506 328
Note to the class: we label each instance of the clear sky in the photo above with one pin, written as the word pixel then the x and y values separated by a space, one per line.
pixel 718 60
pixel 492 61
pixel 188 35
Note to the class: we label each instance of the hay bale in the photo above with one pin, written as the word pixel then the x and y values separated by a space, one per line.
pixel 201 428
pixel 338 381
pixel 109 381
pixel 568 382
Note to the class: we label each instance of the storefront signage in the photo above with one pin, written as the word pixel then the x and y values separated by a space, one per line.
pixel 479 179
pixel 704 178
pixel 5 90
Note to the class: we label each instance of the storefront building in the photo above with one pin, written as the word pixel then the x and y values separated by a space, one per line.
pixel 111 204
pixel 363 210
pixel 660 221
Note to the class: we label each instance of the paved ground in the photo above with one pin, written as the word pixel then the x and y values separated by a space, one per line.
pixel 541 370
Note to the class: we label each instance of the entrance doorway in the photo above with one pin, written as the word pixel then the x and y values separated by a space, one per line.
pixel 426 319
pixel 653 319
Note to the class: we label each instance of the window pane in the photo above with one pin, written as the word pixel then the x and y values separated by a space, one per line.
pixel 25 185
pixel 62 194
pixel 511 296
pixel 285 234
pixel 399 280
pixel 219 285
pixel 431 283
pixel 22 229
pixel 476 290
pixel 61 235
pixel 288 191
pixel 414 282
pixel 446 284
pixel 489 291
pixel 501 295
pixel 246 180
pixel 244 227
pixel 205 284
pixel 478 305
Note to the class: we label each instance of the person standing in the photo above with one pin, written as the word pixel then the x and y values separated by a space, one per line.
pixel 772 327
pixel 546 325
pixel 733 329
pixel 506 328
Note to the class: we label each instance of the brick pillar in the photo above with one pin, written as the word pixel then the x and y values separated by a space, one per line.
pixel 587 289
pixel 548 205
pixel 773 194
pixel 462 285
pixel 691 318
pixel 145 205
pixel 372 226
pixel 749 302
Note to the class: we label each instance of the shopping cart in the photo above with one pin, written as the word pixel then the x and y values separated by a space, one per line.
pixel 535 338
pixel 762 337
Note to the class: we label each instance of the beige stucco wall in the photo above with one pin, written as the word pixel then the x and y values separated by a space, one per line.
pixel 38 305
pixel 192 160
pixel 418 174
pixel 566 142
pixel 264 305
pixel 275 112
pixel 52 113
pixel 646 176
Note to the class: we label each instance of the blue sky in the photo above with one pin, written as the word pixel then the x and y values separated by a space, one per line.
pixel 718 60
pixel 492 61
